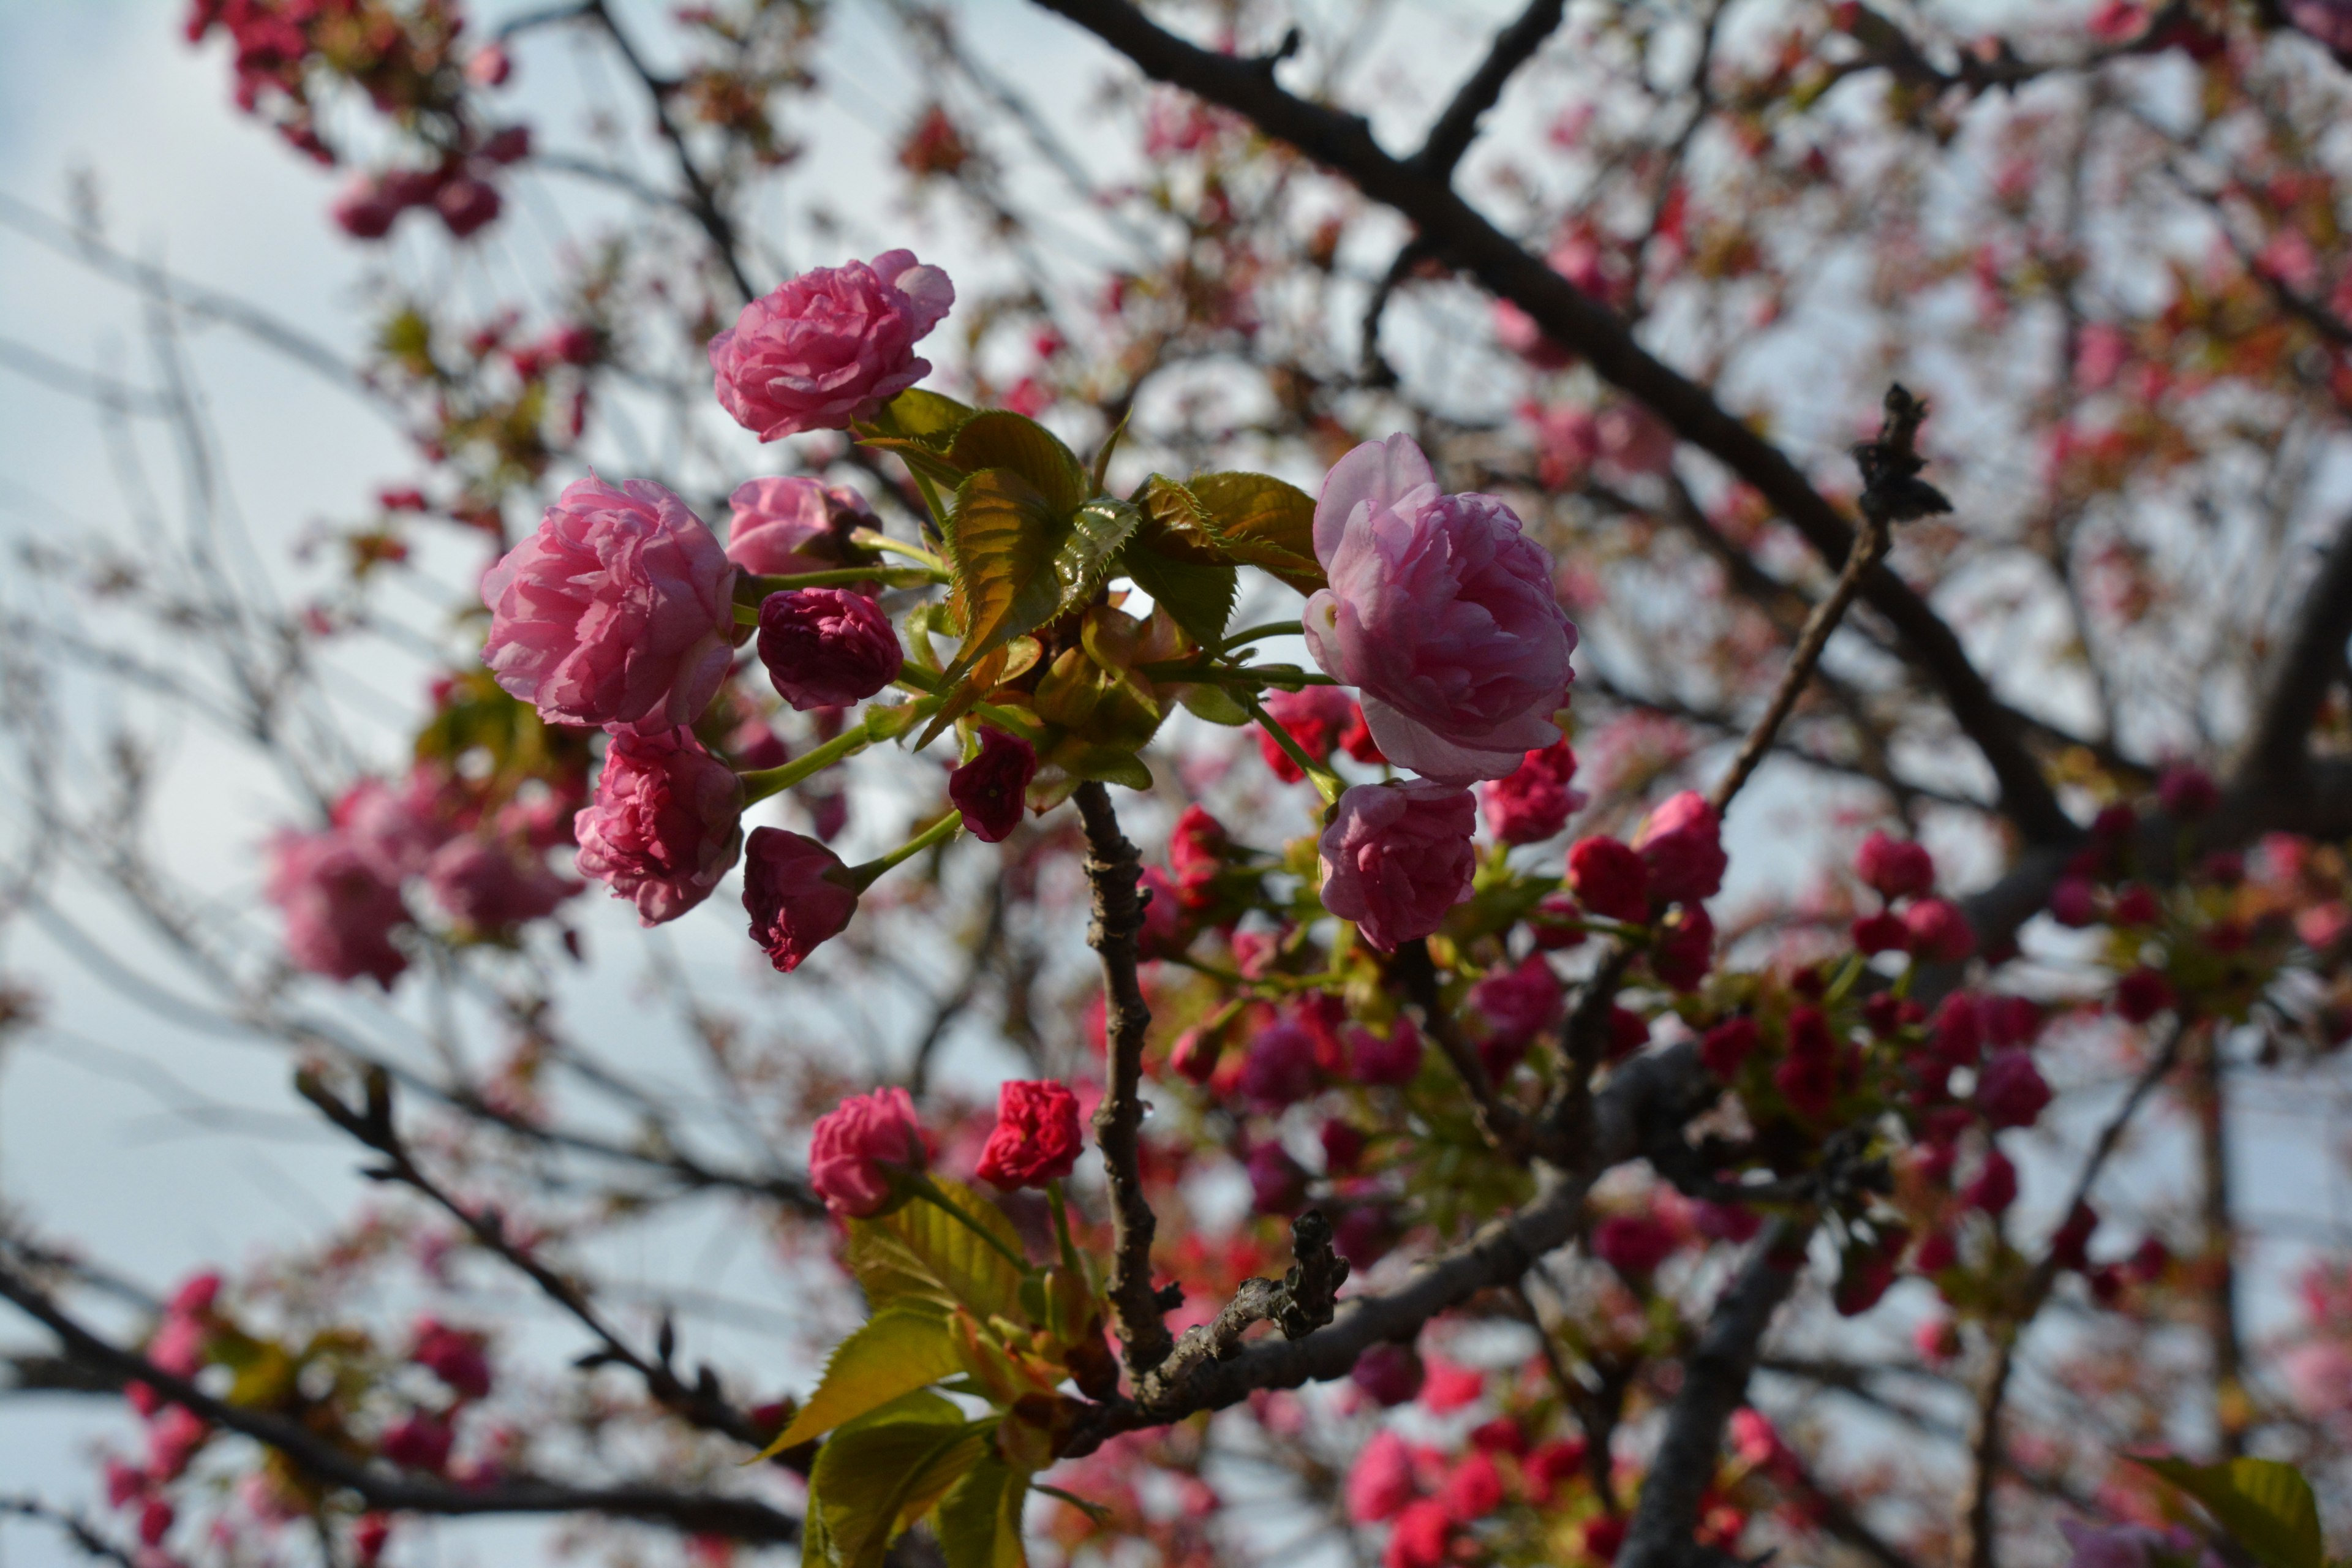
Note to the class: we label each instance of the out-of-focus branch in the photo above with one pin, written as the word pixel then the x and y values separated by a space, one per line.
pixel 702 199
pixel 740 1519
pixel 2308 664
pixel 1973 1545
pixel 1114 876
pixel 72 1526
pixel 1715 1383
pixel 1344 143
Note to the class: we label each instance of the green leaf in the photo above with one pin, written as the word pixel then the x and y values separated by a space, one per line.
pixel 1199 596
pixel 916 412
pixel 903 1347
pixel 2266 1507
pixel 980 1521
pixel 1003 533
pixel 883 1471
pixel 998 439
pixel 1263 522
pixel 918 1254
pixel 1084 560
pixel 1213 702
pixel 1180 526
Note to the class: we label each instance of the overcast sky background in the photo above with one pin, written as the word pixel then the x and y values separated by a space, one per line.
pixel 95 1138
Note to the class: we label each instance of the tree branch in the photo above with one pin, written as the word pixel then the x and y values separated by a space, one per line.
pixel 1516 44
pixel 741 1518
pixel 1715 1383
pixel 1344 143
pixel 1114 874
pixel 2307 665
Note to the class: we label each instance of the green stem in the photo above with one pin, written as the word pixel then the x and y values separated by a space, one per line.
pixel 1327 783
pixel 873 540
pixel 1062 1241
pixel 757 588
pixel 923 1187
pixel 1252 634
pixel 930 499
pixel 759 786
pixel 867 874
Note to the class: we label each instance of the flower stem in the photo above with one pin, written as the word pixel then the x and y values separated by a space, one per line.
pixel 1327 783
pixel 867 874
pixel 1062 1241
pixel 759 786
pixel 756 588
pixel 1252 634
pixel 875 540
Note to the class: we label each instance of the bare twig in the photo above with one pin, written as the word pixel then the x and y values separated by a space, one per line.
pixel 75 1529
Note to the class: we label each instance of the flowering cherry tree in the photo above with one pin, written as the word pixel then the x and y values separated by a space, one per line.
pixel 1732 678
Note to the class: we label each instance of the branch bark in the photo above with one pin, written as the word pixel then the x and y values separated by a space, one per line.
pixel 1344 143
pixel 1114 874
pixel 1715 1383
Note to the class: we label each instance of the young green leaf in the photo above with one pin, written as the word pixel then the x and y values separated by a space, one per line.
pixel 1263 522
pixel 1085 558
pixel 2267 1507
pixel 903 1347
pixel 918 1254
pixel 1003 532
pixel 921 413
pixel 980 1520
pixel 883 1471
pixel 999 440
pixel 1198 595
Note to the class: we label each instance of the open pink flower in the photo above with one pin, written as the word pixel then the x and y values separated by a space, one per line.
pixel 1397 856
pixel 666 824
pixel 1442 612
pixel 829 347
pixel 797 893
pixel 490 884
pixel 786 525
pixel 1682 844
pixel 618 611
pixel 340 910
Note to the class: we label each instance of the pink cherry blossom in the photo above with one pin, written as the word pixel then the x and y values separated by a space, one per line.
pixel 664 825
pixel 1397 856
pixel 1442 612
pixel 786 525
pixel 829 347
pixel 618 611
pixel 340 910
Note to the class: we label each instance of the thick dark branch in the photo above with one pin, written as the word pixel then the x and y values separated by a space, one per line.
pixel 379 1487
pixel 2308 664
pixel 1344 143
pixel 1715 1383
pixel 1512 48
pixel 1114 874
pixel 1300 1302
pixel 1643 1099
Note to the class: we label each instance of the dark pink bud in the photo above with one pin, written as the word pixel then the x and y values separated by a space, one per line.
pixel 2074 903
pixel 1277 1184
pixel 1536 801
pixel 859 1151
pixel 1939 931
pixel 1517 1005
pixel 1634 1245
pixel 1682 842
pixel 1279 1067
pixel 1343 1146
pixel 2136 906
pixel 827 648
pixel 1685 948
pixel 1390 1058
pixel 1726 1048
pixel 989 789
pixel 2011 1091
pixel 418 1442
pixel 2187 792
pixel 1995 1188
pixel 797 893
pixel 1895 868
pixel 2142 994
pixel 466 205
pixel 1390 1373
pixel 509 144
pixel 1609 878
pixel 1882 932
